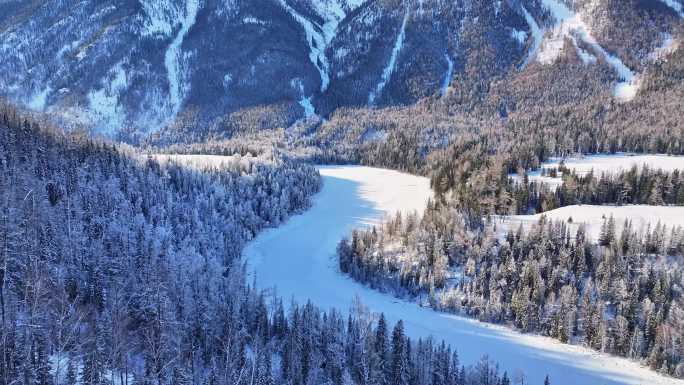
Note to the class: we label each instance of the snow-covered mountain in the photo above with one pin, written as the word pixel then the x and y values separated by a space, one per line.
pixel 140 65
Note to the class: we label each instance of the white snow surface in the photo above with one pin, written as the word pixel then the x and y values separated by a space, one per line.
pixel 298 259
pixel 449 75
pixel 156 21
pixel 666 48
pixel 537 36
pixel 38 100
pixel 58 370
pixel 309 109
pixel 676 6
pixel 319 36
pixel 584 55
pixel 571 24
pixel 317 44
pixel 173 58
pixel 374 135
pixel 592 217
pixel 389 69
pixel 609 163
pixel 253 20
pixel 519 36
pixel 304 101
pixel 103 103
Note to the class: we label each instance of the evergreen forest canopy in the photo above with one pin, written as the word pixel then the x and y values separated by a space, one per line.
pixel 116 268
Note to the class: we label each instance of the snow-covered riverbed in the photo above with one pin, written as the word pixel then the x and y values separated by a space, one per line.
pixel 298 259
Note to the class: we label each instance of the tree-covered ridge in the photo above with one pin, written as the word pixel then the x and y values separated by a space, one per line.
pixel 119 269
pixel 622 295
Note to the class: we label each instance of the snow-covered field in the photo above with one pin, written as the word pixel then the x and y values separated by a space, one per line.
pixel 298 259
pixel 613 163
pixel 592 216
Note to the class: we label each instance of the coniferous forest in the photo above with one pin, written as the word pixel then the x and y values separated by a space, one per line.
pixel 148 147
pixel 620 294
pixel 119 269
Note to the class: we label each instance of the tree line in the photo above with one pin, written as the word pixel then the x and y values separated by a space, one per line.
pixel 638 185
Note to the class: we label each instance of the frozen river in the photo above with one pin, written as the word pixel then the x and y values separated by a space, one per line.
pixel 298 259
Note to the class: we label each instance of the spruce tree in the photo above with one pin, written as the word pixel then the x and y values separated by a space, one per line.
pixel 382 350
pixel 399 372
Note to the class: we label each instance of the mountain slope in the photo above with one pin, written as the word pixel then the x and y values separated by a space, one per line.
pixel 138 66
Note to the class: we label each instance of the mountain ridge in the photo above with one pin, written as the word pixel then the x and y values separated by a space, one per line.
pixel 142 66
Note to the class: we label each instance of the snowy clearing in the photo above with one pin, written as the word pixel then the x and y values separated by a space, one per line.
pixel 298 259
pixel 592 216
pixel 38 101
pixel 613 163
pixel 104 103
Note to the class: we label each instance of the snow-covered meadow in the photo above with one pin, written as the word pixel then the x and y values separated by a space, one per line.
pixel 641 216
pixel 613 163
pixel 592 216
pixel 298 260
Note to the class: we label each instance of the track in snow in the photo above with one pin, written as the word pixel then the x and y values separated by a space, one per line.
pixel 173 59
pixel 570 24
pixel 298 259
pixel 537 36
pixel 449 75
pixel 677 7
pixel 391 65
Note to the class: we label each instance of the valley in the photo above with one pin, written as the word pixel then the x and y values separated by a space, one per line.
pixel 298 261
pixel 341 192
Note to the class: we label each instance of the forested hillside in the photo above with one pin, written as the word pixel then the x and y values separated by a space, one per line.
pixel 120 266
pixel 134 68
pixel 621 295
pixel 118 269
pixel 452 259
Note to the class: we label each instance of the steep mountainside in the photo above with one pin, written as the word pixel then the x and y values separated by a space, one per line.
pixel 138 66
